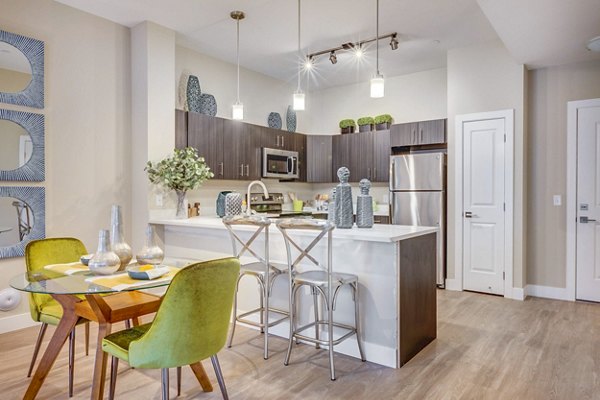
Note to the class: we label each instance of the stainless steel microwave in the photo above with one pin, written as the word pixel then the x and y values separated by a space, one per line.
pixel 280 164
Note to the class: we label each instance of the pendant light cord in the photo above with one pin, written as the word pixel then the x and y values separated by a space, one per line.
pixel 377 38
pixel 299 51
pixel 238 60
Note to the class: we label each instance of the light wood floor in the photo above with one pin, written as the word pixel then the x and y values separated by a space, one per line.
pixel 487 348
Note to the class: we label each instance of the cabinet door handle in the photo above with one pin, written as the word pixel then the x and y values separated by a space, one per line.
pixel 241 169
pixel 282 141
pixel 369 174
pixel 374 174
pixel 421 136
pixel 277 140
pixel 221 165
pixel 247 169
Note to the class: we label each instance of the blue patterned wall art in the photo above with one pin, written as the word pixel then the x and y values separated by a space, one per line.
pixel 33 49
pixel 35 198
pixel 33 170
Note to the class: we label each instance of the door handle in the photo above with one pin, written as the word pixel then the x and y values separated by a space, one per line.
pixel 469 214
pixel 247 169
pixel 585 220
pixel 282 141
pixel 277 140
pixel 241 169
pixel 221 165
pixel 369 174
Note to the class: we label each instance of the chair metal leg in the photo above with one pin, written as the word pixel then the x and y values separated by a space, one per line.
pixel 87 338
pixel 293 291
pixel 330 334
pixel 71 361
pixel 356 323
pixel 262 307
pixel 165 383
pixel 114 366
pixel 219 374
pixel 316 306
pixel 36 350
pixel 265 322
pixel 234 312
pixel 178 381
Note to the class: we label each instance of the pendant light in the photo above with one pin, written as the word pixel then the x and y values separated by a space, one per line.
pixel 299 98
pixel 377 82
pixel 237 110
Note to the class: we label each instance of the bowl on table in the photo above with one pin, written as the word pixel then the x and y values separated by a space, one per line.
pixel 147 271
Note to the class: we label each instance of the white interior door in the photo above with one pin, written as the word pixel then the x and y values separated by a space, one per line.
pixel 483 205
pixel 588 204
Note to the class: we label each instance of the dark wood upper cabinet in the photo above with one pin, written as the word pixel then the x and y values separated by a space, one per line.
pixel 418 133
pixel 205 134
pixel 277 139
pixel 300 145
pixel 319 158
pixel 381 156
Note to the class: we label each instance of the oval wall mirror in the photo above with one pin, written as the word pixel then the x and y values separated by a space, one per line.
pixel 21 146
pixel 22 218
pixel 21 70
pixel 15 70
pixel 15 145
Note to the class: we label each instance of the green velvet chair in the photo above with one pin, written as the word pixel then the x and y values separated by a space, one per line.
pixel 190 325
pixel 43 307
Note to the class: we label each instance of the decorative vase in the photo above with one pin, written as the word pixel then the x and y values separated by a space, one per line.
pixel 382 127
pixel 208 104
pixel 274 120
pixel 104 261
pixel 364 205
pixel 349 129
pixel 181 207
pixel 119 246
pixel 344 215
pixel 290 119
pixel 193 94
pixel 221 203
pixel 233 204
pixel 365 128
pixel 151 253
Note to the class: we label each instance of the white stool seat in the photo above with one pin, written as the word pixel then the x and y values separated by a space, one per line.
pixel 319 278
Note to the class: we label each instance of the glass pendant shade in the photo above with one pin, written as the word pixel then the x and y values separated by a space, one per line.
pixel 237 111
pixel 299 100
pixel 377 86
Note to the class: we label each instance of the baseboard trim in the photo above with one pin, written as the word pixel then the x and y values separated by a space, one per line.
pixel 517 294
pixel 548 292
pixel 454 285
pixel 16 322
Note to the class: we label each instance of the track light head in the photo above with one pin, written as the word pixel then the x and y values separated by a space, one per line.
pixel 309 62
pixel 333 57
pixel 394 43
pixel 358 51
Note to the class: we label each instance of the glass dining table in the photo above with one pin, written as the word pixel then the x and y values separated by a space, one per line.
pixel 83 295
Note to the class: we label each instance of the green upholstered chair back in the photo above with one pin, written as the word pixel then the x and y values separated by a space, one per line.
pixel 192 321
pixel 40 253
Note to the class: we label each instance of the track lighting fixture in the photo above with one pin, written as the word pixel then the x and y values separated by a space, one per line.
pixel 355 47
pixel 298 99
pixel 333 57
pixel 394 43
pixel 237 109
pixel 377 82
pixel 309 62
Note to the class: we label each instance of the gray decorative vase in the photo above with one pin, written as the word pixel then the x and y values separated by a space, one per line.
pixel 193 93
pixel 274 120
pixel 290 119
pixel 119 246
pixel 221 203
pixel 331 207
pixel 208 104
pixel 233 204
pixel 344 215
pixel 104 261
pixel 364 205
pixel 151 253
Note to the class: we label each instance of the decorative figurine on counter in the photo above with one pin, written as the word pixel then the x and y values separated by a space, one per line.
pixel 364 205
pixel 331 207
pixel 233 204
pixel 344 215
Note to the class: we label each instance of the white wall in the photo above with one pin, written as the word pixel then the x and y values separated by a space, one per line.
pixel 408 98
pixel 485 78
pixel 87 121
pixel 549 91
pixel 259 93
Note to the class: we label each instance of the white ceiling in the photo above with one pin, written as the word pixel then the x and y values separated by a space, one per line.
pixel 537 32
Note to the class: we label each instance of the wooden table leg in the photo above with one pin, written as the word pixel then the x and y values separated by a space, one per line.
pixel 64 328
pixel 100 363
pixel 202 377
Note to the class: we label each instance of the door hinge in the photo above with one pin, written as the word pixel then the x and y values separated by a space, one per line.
pixel 505 138
pixel 504 206
pixel 503 275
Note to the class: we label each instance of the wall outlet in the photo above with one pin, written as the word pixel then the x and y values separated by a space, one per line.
pixel 158 200
pixel 557 199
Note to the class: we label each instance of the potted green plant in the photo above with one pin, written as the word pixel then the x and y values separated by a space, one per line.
pixel 365 124
pixel 383 122
pixel 347 125
pixel 184 170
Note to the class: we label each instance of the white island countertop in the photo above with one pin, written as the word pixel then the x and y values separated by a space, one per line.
pixel 378 233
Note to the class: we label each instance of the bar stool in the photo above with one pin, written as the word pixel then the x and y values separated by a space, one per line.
pixel 324 282
pixel 262 270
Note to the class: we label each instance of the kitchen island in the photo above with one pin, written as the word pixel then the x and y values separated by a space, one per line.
pixel 395 265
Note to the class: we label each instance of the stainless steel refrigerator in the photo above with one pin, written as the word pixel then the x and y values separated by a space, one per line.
pixel 418 196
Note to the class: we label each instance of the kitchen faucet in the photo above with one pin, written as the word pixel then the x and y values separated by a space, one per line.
pixel 265 191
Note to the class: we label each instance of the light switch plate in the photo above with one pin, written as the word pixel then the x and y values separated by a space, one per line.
pixel 159 200
pixel 557 200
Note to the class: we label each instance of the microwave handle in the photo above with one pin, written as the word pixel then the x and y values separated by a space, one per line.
pixel 291 161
